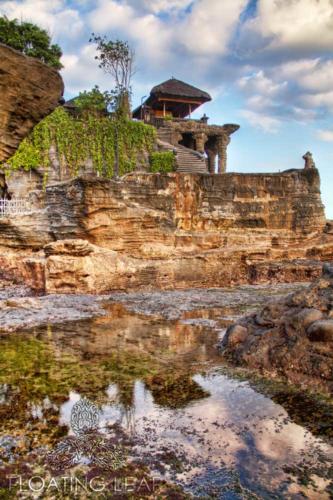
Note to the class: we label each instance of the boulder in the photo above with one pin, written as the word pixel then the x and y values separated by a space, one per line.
pixel 307 316
pixel 234 335
pixel 29 91
pixel 321 331
pixel 298 345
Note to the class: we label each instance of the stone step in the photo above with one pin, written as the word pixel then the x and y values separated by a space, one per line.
pixel 187 160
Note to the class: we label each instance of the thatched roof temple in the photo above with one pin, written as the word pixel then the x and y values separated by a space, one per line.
pixel 172 98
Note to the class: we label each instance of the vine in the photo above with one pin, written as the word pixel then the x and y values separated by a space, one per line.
pixel 80 138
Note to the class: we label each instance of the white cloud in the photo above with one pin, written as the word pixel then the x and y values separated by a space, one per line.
pixel 322 100
pixel 261 121
pixel 110 14
pixel 190 42
pixel 325 135
pixel 320 78
pixel 81 71
pixel 147 33
pixel 209 27
pixel 261 84
pixel 294 24
pixel 53 16
pixel 159 6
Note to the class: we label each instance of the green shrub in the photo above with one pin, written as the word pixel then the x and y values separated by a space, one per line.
pixel 30 40
pixel 93 100
pixel 163 161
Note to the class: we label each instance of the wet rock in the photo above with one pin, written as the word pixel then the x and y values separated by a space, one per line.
pixel 306 299
pixel 298 345
pixel 25 303
pixel 17 314
pixel 321 331
pixel 261 321
pixel 235 335
pixel 306 317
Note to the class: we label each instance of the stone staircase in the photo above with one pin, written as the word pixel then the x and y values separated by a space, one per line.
pixel 164 134
pixel 187 160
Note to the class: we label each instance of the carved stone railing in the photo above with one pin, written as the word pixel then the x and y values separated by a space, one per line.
pixel 17 206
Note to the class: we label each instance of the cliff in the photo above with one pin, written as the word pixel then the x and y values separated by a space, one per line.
pixel 170 231
pixel 29 91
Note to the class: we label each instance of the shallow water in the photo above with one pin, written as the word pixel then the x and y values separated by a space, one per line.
pixel 154 374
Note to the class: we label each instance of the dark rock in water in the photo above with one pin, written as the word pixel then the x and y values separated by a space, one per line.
pixel 235 335
pixel 321 331
pixel 292 336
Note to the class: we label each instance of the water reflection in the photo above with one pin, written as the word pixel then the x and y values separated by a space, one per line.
pixel 231 430
pixel 157 381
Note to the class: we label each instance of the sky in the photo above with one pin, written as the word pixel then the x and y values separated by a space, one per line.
pixel 268 65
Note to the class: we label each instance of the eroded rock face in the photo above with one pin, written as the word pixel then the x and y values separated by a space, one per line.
pixel 292 337
pixel 174 231
pixel 29 91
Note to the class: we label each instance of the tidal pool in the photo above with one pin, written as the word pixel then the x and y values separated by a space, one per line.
pixel 159 396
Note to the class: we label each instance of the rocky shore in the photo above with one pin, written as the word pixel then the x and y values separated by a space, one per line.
pixel 291 336
pixel 21 309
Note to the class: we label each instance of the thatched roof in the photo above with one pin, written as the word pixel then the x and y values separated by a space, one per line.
pixel 177 88
pixel 174 91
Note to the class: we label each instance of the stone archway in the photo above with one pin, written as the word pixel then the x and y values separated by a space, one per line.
pixel 188 140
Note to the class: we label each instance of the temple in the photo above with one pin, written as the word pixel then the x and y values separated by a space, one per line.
pixel 198 147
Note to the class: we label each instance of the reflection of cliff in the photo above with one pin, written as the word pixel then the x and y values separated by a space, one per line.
pixel 174 390
pixel 170 231
pixel 121 334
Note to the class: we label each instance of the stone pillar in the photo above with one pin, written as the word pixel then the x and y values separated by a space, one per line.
pixel 222 145
pixel 200 141
pixel 211 161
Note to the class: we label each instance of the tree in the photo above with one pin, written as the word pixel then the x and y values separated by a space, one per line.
pixel 94 100
pixel 30 40
pixel 117 58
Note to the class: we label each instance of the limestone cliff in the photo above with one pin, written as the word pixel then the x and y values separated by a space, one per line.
pixel 171 231
pixel 29 91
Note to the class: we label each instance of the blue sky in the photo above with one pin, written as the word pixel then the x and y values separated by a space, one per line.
pixel 268 65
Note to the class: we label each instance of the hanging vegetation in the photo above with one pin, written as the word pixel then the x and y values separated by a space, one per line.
pixel 101 139
pixel 162 161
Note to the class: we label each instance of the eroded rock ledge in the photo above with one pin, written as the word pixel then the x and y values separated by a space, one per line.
pixel 29 91
pixel 169 231
pixel 292 336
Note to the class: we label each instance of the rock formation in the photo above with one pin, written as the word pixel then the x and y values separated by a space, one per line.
pixel 29 91
pixel 292 337
pixel 169 231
